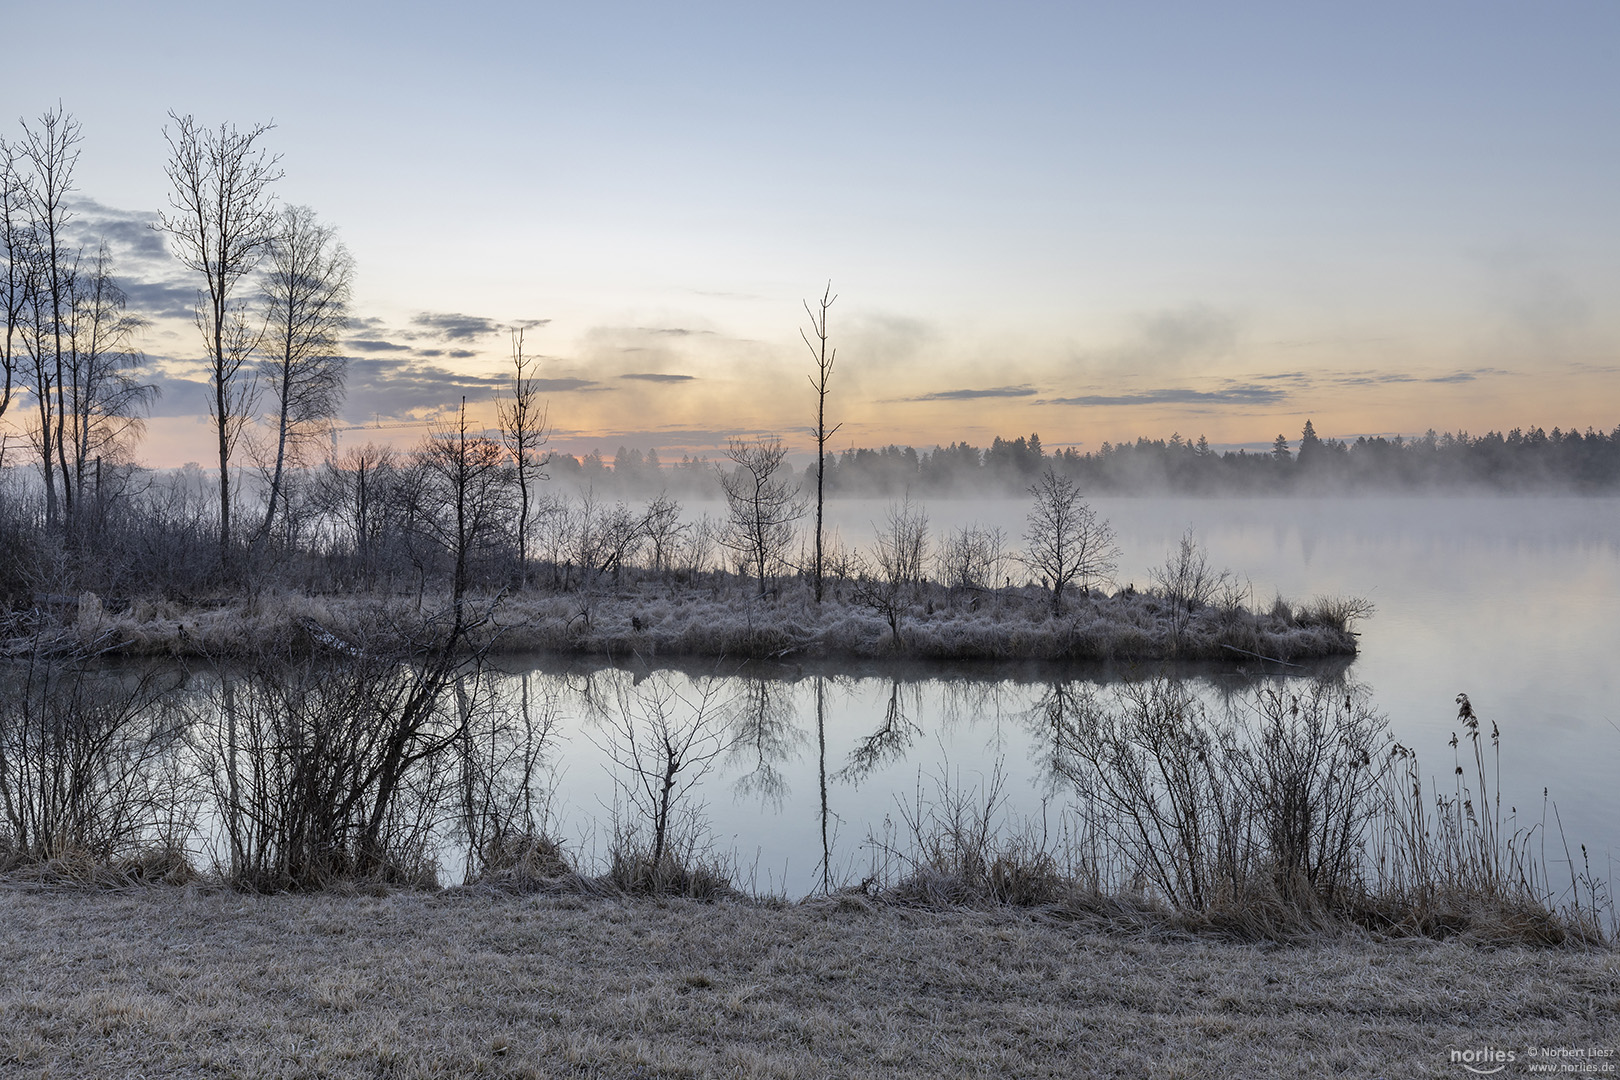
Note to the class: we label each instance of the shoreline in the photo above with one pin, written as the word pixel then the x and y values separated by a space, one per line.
pixel 716 620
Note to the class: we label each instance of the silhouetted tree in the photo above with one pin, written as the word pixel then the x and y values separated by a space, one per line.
pixel 306 306
pixel 223 223
pixel 1065 541
pixel 763 505
pixel 50 152
pixel 824 366
pixel 104 397
pixel 523 429
pixel 16 277
pixel 465 477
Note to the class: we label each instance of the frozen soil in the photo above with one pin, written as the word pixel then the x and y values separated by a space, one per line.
pixel 184 982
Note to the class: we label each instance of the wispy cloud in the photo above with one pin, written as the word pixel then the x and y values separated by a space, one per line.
pixel 656 377
pixel 566 385
pixel 1171 339
pixel 1379 378
pixel 969 395
pixel 129 233
pixel 1467 376
pixel 157 299
pixel 386 387
pixel 1231 395
pixel 372 345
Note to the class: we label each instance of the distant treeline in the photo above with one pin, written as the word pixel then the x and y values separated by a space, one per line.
pixel 1519 461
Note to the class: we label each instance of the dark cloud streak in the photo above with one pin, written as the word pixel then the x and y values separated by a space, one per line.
pixel 1233 395
pixel 455 326
pixel 971 395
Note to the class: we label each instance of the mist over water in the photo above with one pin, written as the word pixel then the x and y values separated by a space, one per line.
pixel 1509 600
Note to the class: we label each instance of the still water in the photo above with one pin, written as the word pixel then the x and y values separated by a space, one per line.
pixel 1512 601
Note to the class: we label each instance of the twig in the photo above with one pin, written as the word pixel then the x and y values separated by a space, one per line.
pixel 1257 656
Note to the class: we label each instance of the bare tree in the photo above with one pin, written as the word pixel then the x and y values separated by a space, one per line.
pixel 105 398
pixel 465 471
pixel 306 306
pixel 524 430
pixel 352 493
pixel 222 225
pixel 824 366
pixel 661 522
pixel 51 151
pixel 1066 542
pixel 898 557
pixel 763 505
pixel 16 279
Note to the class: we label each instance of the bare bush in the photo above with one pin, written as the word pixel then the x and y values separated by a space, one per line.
pixel 1272 803
pixel 90 763
pixel 662 743
pixel 319 772
pixel 1188 584
pixel 892 579
pixel 973 557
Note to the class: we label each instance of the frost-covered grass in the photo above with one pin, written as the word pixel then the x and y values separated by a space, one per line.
pixel 182 982
pixel 724 616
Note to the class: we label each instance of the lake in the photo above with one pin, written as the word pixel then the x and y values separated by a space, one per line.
pixel 1510 600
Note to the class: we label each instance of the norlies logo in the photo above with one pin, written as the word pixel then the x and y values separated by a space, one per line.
pixel 1483 1061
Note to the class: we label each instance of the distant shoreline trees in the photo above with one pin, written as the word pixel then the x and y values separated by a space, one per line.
pixel 1521 460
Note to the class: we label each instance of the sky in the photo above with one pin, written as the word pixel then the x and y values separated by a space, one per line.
pixel 1090 221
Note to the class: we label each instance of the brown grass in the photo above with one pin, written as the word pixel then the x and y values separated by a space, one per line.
pixel 184 982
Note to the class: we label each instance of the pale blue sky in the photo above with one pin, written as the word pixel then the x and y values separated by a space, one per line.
pixel 1084 220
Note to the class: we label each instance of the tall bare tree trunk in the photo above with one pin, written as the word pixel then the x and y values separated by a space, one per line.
pixel 824 366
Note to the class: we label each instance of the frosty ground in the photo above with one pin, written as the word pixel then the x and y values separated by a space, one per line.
pixel 192 982
pixel 660 620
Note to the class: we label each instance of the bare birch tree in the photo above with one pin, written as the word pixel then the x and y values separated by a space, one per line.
pixel 15 276
pixel 51 151
pixel 522 416
pixel 306 307
pixel 222 225
pixel 105 396
pixel 824 367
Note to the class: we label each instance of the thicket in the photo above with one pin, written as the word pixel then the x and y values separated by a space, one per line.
pixel 1288 812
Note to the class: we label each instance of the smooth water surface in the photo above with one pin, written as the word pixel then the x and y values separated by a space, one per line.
pixel 1513 601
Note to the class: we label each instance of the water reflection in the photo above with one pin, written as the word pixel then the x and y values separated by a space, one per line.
pixel 890 741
